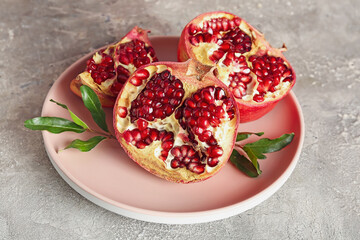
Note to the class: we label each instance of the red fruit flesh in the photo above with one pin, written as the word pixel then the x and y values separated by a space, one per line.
pixel 108 69
pixel 258 75
pixel 176 122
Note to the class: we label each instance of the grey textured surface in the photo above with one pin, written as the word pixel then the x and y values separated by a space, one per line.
pixel 321 200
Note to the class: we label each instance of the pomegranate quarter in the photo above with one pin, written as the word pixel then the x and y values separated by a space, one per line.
pixel 176 120
pixel 108 69
pixel 257 74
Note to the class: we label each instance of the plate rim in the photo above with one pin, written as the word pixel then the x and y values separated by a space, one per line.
pixel 178 217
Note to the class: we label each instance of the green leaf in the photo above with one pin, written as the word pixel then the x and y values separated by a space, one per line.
pixel 267 145
pixel 53 125
pixel 244 164
pixel 244 135
pixel 75 118
pixel 254 158
pixel 85 146
pixel 92 103
pixel 253 152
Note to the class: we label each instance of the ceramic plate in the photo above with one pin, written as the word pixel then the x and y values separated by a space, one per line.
pixel 110 179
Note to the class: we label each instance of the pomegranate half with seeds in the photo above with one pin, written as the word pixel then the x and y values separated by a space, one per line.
pixel 176 120
pixel 108 69
pixel 257 74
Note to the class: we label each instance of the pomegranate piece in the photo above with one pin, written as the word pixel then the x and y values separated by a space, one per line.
pixel 175 122
pixel 257 74
pixel 108 69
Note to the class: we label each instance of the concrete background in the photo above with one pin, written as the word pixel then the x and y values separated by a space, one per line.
pixel 321 200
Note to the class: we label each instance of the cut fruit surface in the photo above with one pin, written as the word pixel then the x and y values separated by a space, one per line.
pixel 108 69
pixel 257 74
pixel 176 120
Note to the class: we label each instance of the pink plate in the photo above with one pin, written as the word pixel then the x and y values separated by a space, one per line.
pixel 110 179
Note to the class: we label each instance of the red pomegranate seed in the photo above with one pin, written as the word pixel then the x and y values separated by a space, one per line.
pixel 141 145
pixel 287 73
pixel 258 98
pixel 153 134
pixel 136 134
pixel 176 152
pixel 225 46
pixel 205 136
pixel 207 96
pixel 186 160
pixel 192 29
pixel 202 104
pixel 122 78
pixel 190 103
pixel 215 151
pixel 149 94
pixel 212 162
pixel 219 112
pixel 175 163
pixel 122 112
pixel 199 169
pixel 184 149
pixel 123 59
pixel 141 124
pixel 237 21
pixel 231 113
pixel 219 94
pixel 212 141
pixel 128 136
pixel 237 93
pixel 198 130
pixel 217 55
pixel 288 79
pixel 174 102
pixel 144 133
pixel 167 145
pixel 158 113
pixel 142 74
pixel 203 122
pixel 200 38
pixel 148 141
pixel 135 81
pixel 227 62
pixel 194 41
pixel 179 93
pixel 190 152
pixel 214 122
pixel 168 136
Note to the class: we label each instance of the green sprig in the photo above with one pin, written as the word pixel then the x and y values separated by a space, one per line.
pixel 249 164
pixel 59 125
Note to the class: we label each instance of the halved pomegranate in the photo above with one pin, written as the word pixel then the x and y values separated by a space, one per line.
pixel 176 120
pixel 258 75
pixel 108 69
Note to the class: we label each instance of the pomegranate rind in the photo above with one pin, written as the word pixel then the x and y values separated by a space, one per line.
pixel 146 157
pixel 249 110
pixel 106 96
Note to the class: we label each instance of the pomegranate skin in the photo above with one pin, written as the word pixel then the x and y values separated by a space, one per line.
pixel 250 110
pixel 189 74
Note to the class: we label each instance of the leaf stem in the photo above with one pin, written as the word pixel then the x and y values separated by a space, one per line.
pixel 239 145
pixel 110 136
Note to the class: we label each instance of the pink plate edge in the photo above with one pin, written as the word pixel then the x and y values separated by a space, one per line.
pixel 179 217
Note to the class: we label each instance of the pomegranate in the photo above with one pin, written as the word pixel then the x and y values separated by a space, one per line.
pixel 257 74
pixel 108 69
pixel 176 120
